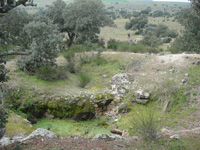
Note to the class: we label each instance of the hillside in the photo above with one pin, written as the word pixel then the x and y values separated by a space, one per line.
pixel 93 75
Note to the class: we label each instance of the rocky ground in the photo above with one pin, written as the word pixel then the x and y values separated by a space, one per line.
pixel 141 76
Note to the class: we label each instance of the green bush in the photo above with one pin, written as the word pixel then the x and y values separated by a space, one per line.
pixel 128 47
pixel 76 56
pixel 52 73
pixel 3 117
pixel 84 79
pixel 146 125
pixel 167 40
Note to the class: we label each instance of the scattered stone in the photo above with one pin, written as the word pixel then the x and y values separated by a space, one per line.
pixel 125 133
pixel 198 62
pixel 107 137
pixel 186 74
pixel 122 108
pixel 176 136
pixel 184 80
pixel 172 71
pixel 164 130
pixel 105 76
pixel 116 131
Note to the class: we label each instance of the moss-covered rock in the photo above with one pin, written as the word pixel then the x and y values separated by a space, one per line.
pixel 79 107
pixel 17 126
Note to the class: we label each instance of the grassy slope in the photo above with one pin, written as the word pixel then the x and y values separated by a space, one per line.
pixel 146 77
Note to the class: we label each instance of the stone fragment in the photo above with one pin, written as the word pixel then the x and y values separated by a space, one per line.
pixel 122 108
pixel 107 137
pixel 175 136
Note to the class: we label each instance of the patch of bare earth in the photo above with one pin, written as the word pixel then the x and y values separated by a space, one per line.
pixel 73 144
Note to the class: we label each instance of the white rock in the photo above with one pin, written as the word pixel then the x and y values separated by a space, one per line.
pixel 6 141
pixel 107 137
pixel 40 133
pixel 184 80
pixel 176 136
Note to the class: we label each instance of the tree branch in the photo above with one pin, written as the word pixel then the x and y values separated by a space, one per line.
pixel 15 53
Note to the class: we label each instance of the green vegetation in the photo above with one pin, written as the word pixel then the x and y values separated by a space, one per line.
pixel 137 23
pixel 60 70
pixel 155 35
pixel 17 125
pixel 3 117
pixel 52 73
pixel 130 47
pixel 146 125
pixel 186 143
pixel 189 40
pixel 43 46
pixel 66 127
pixel 84 79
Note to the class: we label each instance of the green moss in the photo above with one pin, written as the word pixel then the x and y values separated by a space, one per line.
pixel 67 127
pixel 17 125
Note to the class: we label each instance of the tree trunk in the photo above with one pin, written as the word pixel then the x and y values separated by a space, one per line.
pixel 2 132
pixel 71 38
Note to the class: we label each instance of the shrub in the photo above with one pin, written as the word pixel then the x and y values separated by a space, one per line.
pixel 70 57
pixel 98 59
pixel 52 73
pixel 167 93
pixel 128 47
pixel 138 23
pixel 167 40
pixel 76 56
pixel 84 79
pixel 150 40
pixel 146 125
pixel 42 39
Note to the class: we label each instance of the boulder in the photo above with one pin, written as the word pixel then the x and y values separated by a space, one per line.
pixel 40 133
pixel 6 141
pixel 141 97
pixel 120 84
pixel 176 136
pixel 107 137
pixel 140 94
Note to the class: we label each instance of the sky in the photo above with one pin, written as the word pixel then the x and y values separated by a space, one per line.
pixel 174 0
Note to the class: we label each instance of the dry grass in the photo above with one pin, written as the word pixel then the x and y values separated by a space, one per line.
pixel 118 33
